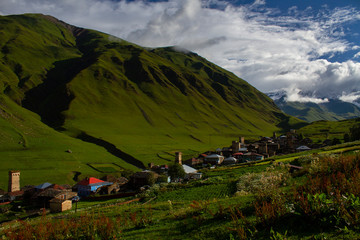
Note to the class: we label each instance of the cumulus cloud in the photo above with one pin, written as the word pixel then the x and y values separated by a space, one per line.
pixel 353 97
pixel 268 48
pixel 293 95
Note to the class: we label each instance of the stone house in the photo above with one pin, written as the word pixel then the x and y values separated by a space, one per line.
pixel 251 156
pixel 191 173
pixel 90 185
pixel 230 160
pixel 214 159
pixel 139 179
pixel 60 205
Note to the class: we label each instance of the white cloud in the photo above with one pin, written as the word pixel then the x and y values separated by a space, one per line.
pixel 353 97
pixel 270 51
pixel 294 95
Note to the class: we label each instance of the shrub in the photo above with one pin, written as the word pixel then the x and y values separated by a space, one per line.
pixel 83 227
pixel 329 195
pixel 176 171
pixel 264 185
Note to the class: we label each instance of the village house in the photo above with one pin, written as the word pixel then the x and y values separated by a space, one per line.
pixel 302 148
pixel 229 161
pixel 159 169
pixel 194 161
pixel 214 159
pixel 118 184
pixel 60 205
pixel 202 156
pixel 89 186
pixel 42 186
pixel 238 156
pixel 44 196
pixel 251 156
pixel 191 173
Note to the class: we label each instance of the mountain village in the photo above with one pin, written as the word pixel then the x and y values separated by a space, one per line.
pixel 59 198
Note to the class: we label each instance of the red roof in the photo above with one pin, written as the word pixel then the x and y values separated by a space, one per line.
pixel 56 186
pixel 90 180
pixel 237 154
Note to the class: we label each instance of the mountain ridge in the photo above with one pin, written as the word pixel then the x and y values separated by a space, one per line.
pixel 142 101
pixel 331 109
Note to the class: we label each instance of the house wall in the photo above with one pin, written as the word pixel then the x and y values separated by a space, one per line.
pixel 84 190
pixel 66 205
pixel 60 206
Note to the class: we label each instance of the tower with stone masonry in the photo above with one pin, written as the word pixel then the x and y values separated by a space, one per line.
pixel 14 181
pixel 178 157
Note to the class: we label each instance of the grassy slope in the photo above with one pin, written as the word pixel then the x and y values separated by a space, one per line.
pixel 320 130
pixel 155 106
pixel 143 101
pixel 28 145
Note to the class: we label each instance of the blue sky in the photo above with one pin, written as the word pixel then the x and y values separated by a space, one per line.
pixel 310 49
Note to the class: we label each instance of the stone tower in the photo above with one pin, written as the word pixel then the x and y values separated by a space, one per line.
pixel 242 141
pixel 14 181
pixel 178 157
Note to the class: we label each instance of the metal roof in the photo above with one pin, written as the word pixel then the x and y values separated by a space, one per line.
pixel 303 148
pixel 214 156
pixel 43 186
pixel 188 169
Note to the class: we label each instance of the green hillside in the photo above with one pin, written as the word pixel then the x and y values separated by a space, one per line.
pixel 333 110
pixel 321 130
pixel 111 101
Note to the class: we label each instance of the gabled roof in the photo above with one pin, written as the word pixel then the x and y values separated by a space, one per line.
pixel 214 156
pixel 188 169
pixel 50 192
pixel 43 186
pixel 230 159
pixel 90 180
pixel 303 148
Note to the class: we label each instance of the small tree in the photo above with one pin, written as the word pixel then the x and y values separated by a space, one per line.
pixel 162 178
pixel 151 178
pixel 176 171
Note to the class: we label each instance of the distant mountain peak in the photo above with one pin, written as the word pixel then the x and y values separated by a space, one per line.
pixel 310 108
